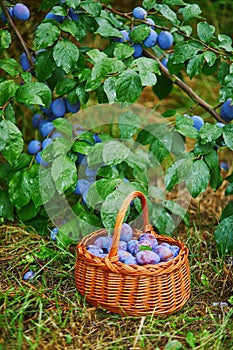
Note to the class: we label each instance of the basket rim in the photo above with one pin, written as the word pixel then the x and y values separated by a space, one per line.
pixel 114 265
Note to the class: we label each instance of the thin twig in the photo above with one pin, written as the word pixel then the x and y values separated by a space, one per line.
pixel 185 88
pixel 11 23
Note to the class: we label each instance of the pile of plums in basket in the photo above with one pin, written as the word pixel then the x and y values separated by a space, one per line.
pixel 141 251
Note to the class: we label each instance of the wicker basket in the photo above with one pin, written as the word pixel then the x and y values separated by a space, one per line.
pixel 133 290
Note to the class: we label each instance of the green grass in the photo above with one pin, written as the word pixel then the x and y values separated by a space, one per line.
pixel 48 313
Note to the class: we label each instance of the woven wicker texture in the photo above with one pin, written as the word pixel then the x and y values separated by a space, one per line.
pixel 133 290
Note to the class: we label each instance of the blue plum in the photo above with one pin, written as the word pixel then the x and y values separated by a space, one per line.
pixel 21 12
pixel 165 40
pixel 57 18
pixel 73 15
pixel 81 186
pixel 36 120
pixel 40 160
pixel 122 245
pixel 46 129
pixel 58 107
pixel 46 142
pixel 123 255
pixel 53 234
pixel 96 138
pixel 226 110
pixel 150 22
pixel 130 260
pixel 198 122
pixel 138 49
pixel 24 62
pixel 151 40
pixel 28 275
pixel 139 13
pixel 145 257
pixel 149 237
pixel 225 166
pixel 125 35
pixel 72 107
pixel 34 147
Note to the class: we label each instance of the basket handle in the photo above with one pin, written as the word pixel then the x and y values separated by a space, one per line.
pixel 120 219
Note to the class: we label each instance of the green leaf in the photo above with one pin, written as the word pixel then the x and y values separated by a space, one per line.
pixel 8 89
pixel 227 211
pixel 46 35
pixel 65 85
pixel 64 173
pixel 210 57
pixel 71 27
pixel 195 65
pixel 224 236
pixel 6 207
pixel 209 133
pixel 95 157
pixel 215 171
pixel 82 147
pixel 139 33
pixel 114 152
pixel 163 87
pixel 11 141
pixel 44 189
pixel 225 42
pixel 122 51
pixel 5 39
pixel 178 171
pixel 22 161
pixel 47 4
pixel 184 126
pixel 11 66
pixel 198 178
pixel 191 339
pixel 184 51
pixel 128 86
pixel 106 66
pixel 173 345
pixel 96 55
pixel 191 11
pixel 92 7
pixel 65 54
pixel 34 93
pixel 205 32
pixel 128 124
pixel 187 30
pixel 106 30
pixel 227 135
pixel 63 125
pixel 28 212
pixel 167 13
pixel 110 89
pixel 147 70
pixel 161 219
pixel 21 188
pixel 44 65
pixel 100 190
pixel 229 190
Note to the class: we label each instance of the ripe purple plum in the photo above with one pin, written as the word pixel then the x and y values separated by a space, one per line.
pixel 53 234
pixel 123 255
pixel 133 246
pixel 175 250
pixel 24 62
pixel 139 13
pixel 46 142
pixel 73 15
pixel 126 233
pixel 36 120
pixel 145 257
pixel 165 40
pixel 125 35
pixel 130 260
pixel 56 18
pixel 150 238
pixel 40 160
pixel 151 40
pixel 198 122
pixel 164 253
pixel 81 186
pixel 21 12
pixel 122 245
pixel 150 22
pixel 93 249
pixel 34 147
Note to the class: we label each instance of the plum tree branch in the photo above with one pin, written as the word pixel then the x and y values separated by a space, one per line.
pixel 11 23
pixel 185 88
